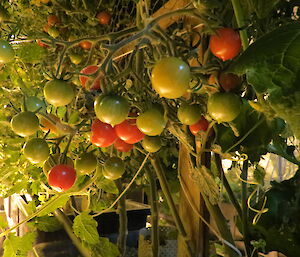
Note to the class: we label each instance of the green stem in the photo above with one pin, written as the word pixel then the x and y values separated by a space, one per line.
pixel 155 161
pixel 240 19
pixel 122 221
pixel 67 224
pixel 154 214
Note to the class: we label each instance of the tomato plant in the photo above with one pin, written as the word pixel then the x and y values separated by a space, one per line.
pixel 189 114
pixel 62 177
pixel 58 92
pixel 129 132
pixel 225 44
pixel 53 20
pixel 7 53
pixel 103 18
pixel 151 122
pixel 111 109
pixel 103 134
pixel 53 32
pixel 224 107
pixel 36 150
pixel 113 168
pixel 25 124
pixel 76 59
pixel 122 146
pixel 89 70
pixel 86 163
pixel 41 44
pixel 56 159
pixel 151 144
pixel 201 125
pixel 86 45
pixel 229 81
pixel 170 77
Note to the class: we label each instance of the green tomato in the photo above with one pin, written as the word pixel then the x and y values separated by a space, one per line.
pixel 113 168
pixel 33 104
pixel 224 107
pixel 36 150
pixel 7 53
pixel 53 32
pixel 111 109
pixel 151 122
pixel 86 163
pixel 25 124
pixel 171 77
pixel 151 144
pixel 75 58
pixel 58 92
pixel 189 114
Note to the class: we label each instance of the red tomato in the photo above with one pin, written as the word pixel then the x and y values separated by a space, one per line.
pixel 53 20
pixel 229 81
pixel 39 42
pixel 86 45
pixel 201 125
pixel 89 70
pixel 62 177
pixel 122 146
pixel 103 134
pixel 46 28
pixel 129 132
pixel 103 18
pixel 225 44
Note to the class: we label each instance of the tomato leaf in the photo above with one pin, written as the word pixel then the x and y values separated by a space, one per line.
pixel 15 246
pixel 31 53
pixel 105 249
pixel 46 224
pixel 54 205
pixel 107 185
pixel 85 227
pixel 272 65
pixel 3 222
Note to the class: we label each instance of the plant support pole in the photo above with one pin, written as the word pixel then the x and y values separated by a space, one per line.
pixel 155 161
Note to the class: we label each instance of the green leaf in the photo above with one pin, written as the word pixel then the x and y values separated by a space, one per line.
pixel 46 224
pixel 31 53
pixel 85 227
pixel 105 249
pixel 61 201
pixel 3 222
pixel 107 185
pixel 259 174
pixel 15 246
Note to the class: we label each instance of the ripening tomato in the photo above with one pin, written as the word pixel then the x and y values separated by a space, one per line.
pixel 89 70
pixel 103 134
pixel 151 144
pixel 225 44
pixel 41 44
pixel 122 146
pixel 46 124
pixel 151 122
pixel 62 177
pixel 25 124
pixel 200 125
pixel 111 109
pixel 224 107
pixel 53 20
pixel 86 163
pixel 56 159
pixel 103 18
pixel 189 114
pixel 129 132
pixel 229 81
pixel 36 150
pixel 170 77
pixel 86 45
pixel 7 53
pixel 113 168
pixel 33 104
pixel 58 92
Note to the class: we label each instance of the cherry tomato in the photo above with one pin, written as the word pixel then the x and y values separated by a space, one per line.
pixel 200 125
pixel 86 45
pixel 225 44
pixel 151 122
pixel 75 58
pixel 122 146
pixel 189 114
pixel 56 159
pixel 58 92
pixel 224 107
pixel 89 70
pixel 129 132
pixel 53 20
pixel 103 18
pixel 41 44
pixel 171 77
pixel 113 168
pixel 111 109
pixel 47 125
pixel 53 32
pixel 7 53
pixel 151 144
pixel 33 104
pixel 46 28
pixel 62 177
pixel 103 134
pixel 36 150
pixel 25 124
pixel 86 163
pixel 229 81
